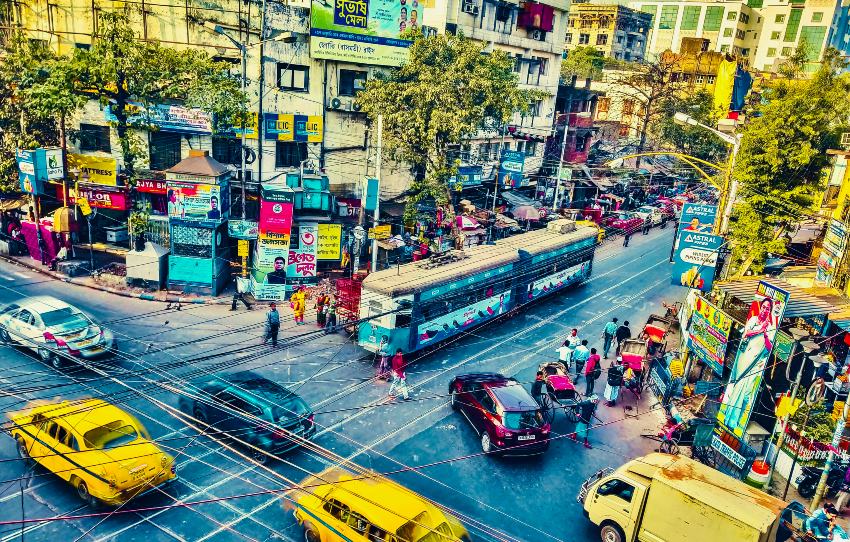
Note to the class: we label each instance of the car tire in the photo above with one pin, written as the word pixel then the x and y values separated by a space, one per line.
pixel 4 335
pixel 259 456
pixel 83 493
pixel 23 452
pixel 611 532
pixel 454 402
pixel 486 443
pixel 311 534
pixel 50 357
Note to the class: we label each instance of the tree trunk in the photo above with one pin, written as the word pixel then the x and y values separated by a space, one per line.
pixel 643 130
pixel 63 143
pixel 122 128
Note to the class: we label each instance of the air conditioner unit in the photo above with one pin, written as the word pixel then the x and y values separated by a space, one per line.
pixel 341 104
pixel 538 35
pixel 470 7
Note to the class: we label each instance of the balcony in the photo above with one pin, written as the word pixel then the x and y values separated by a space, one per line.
pixel 575 157
pixel 581 120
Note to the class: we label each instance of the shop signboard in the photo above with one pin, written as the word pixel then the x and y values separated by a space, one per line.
pixel 98 169
pixel 362 31
pixel 151 186
pixel 834 243
pixel 197 201
pixel 54 167
pixel 510 169
pixel 708 334
pixel 758 336
pixel 171 118
pixel 695 260
pixel 330 242
pixel 734 456
pixel 242 229
pixel 467 176
pixel 380 232
pixel 97 196
pixel 30 183
pixel 301 265
pixel 283 127
pixel 271 253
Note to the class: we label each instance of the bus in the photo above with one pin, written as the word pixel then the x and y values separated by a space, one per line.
pixel 421 304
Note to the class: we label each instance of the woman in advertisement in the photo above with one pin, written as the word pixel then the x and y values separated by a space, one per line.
pixel 756 344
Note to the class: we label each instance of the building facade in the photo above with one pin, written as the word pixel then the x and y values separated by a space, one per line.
pixel 614 30
pixel 762 33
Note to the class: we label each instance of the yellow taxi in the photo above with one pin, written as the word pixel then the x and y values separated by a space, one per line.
pixel 372 509
pixel 102 451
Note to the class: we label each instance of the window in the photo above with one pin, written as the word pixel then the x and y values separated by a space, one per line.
pixel 351 81
pixel 487 402
pixel 534 108
pixel 817 16
pixel 530 148
pixel 619 38
pixel 668 17
pixel 700 79
pixel 289 154
pixel 164 150
pixel 724 48
pixel 727 32
pixel 732 16
pixel 745 52
pixel 780 18
pixel 793 24
pixel 771 52
pixel 62 435
pixel 814 36
pixel 710 79
pixel 87 46
pixel 601 39
pixel 239 404
pixel 617 488
pixel 690 17
pixel 713 18
pixel 543 64
pixel 569 38
pixel 603 105
pixel 226 150
pixel 624 130
pixel 337 509
pixel 786 51
pixel 25 317
pixel 775 35
pixel 651 9
pixel 740 34
pixel 533 77
pixel 94 138
pixel 584 39
pixel 517 62
pixel 292 77
pixel 628 106
pixel 358 523
pixel 744 18
pixel 520 145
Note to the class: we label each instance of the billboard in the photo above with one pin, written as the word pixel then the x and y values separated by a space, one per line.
pixel 695 260
pixel 301 265
pixel 271 253
pixel 99 169
pixel 303 128
pixel 38 165
pixel 757 338
pixel 708 334
pixel 197 201
pixel 364 31
pixel 171 118
pixel 330 242
pixel 467 176
pixel 510 169
pixel 697 217
pixel 834 243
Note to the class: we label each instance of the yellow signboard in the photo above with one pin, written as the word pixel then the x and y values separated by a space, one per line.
pixel 242 247
pixel 330 242
pixel 98 169
pixel 380 232
pixel 85 208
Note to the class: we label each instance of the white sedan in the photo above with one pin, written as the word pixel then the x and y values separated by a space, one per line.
pixel 54 329
pixel 653 213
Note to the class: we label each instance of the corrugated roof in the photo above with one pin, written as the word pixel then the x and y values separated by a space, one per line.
pixel 199 164
pixel 801 302
pixel 540 241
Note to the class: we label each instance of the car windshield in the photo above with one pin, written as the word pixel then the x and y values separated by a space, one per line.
pixel 67 318
pixel 623 216
pixel 111 435
pixel 525 419
pixel 294 407
pixel 646 209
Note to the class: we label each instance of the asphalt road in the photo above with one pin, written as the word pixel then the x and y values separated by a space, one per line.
pixel 530 499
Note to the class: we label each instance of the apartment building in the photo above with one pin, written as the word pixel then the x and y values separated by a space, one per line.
pixel 762 32
pixel 616 31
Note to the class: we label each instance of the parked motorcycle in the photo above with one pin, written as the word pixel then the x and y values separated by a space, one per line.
pixel 807 483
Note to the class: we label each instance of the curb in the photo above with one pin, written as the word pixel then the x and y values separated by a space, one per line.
pixel 144 296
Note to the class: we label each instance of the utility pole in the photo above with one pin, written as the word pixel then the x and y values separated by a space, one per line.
pixel 242 145
pixel 377 215
pixel 836 440
pixel 561 162
pixel 262 82
pixel 731 187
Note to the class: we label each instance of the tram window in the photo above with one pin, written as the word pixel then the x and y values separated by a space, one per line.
pixel 402 319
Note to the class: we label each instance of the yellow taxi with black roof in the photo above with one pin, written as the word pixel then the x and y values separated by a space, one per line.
pixel 101 450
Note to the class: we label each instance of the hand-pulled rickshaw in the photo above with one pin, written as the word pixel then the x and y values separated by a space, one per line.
pixel 655 333
pixel 633 354
pixel 561 392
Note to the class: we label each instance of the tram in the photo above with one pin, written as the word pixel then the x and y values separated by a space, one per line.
pixel 421 304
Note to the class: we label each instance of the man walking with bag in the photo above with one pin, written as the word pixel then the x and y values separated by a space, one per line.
pixel 399 378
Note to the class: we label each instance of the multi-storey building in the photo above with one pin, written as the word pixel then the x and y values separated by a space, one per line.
pixel 761 32
pixel 616 31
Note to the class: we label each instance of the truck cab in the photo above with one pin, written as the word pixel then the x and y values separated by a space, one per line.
pixel 614 501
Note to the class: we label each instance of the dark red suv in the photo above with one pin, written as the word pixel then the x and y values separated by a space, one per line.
pixel 506 416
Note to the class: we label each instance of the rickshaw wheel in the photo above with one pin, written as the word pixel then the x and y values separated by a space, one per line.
pixel 548 408
pixel 572 413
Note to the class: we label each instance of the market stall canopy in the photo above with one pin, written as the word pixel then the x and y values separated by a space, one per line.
pixel 516 200
pixel 466 222
pixel 802 302
pixel 503 221
pixel 526 212
pixel 13 203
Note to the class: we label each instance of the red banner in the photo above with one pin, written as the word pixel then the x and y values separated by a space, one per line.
pixel 100 196
pixel 151 186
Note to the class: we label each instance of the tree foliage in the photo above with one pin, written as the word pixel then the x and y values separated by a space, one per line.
pixel 444 94
pixel 692 140
pixel 782 156
pixel 584 62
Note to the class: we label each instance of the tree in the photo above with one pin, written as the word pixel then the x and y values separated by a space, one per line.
pixel 583 62
pixel 444 94
pixel 783 153
pixel 120 68
pixel 692 140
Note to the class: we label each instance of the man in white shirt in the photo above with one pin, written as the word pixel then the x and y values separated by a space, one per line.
pixel 565 352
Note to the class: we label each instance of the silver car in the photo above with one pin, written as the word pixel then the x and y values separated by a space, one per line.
pixel 54 329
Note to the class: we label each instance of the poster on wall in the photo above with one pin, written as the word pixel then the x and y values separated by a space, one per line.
pixel 757 340
pixel 197 201
pixel 330 242
pixel 708 334
pixel 510 169
pixel 364 31
pixel 271 253
pixel 301 263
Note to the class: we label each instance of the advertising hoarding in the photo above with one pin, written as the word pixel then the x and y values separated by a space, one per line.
pixel 171 118
pixel 695 260
pixel 271 253
pixel 510 169
pixel 301 264
pixel 708 334
pixel 365 31
pixel 759 333
pixel 99 169
pixel 303 128
pixel 330 242
pixel 197 201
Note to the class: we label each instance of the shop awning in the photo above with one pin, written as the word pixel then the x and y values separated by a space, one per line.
pixel 843 322
pixel 802 303
pixel 11 204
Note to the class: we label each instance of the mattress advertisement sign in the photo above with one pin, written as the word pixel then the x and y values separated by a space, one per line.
pixel 556 281
pixel 455 322
pixel 708 334
pixel 757 340
pixel 364 31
